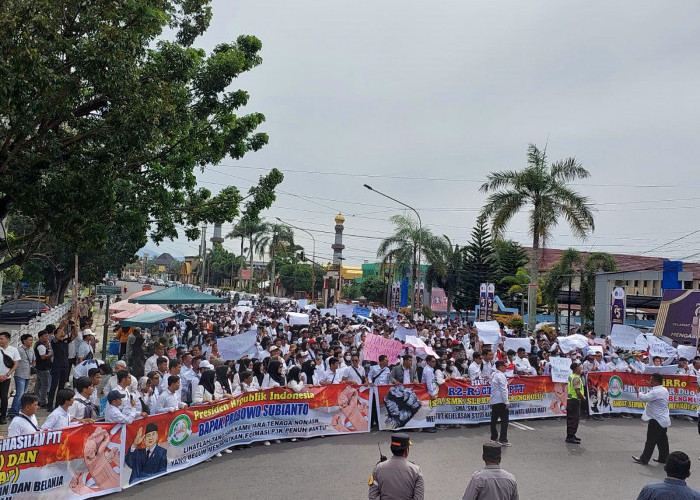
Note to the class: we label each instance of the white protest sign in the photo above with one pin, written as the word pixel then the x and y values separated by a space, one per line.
pixel 301 303
pixel 309 307
pixel 245 303
pixel 345 310
pixel 244 309
pixel 401 333
pixel 422 349
pixel 624 336
pixel 599 341
pixel 561 369
pixel 375 346
pixel 237 346
pixel 298 318
pixel 516 343
pixel 330 310
pixel 489 332
pixel 662 349
pixel 572 342
pixel 687 351
pixel 640 343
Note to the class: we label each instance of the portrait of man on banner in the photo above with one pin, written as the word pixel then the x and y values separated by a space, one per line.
pixel 149 460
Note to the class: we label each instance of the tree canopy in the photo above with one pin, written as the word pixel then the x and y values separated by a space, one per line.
pixel 103 121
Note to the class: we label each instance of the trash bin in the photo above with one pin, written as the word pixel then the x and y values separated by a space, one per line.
pixel 114 347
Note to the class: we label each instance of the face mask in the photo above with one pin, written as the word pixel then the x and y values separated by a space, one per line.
pixel 347 358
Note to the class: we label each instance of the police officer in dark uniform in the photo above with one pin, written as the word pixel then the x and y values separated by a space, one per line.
pixel 397 478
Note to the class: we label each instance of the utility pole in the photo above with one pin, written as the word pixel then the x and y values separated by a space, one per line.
pixel 75 292
pixel 203 256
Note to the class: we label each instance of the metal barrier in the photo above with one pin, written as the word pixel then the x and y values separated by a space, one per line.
pixel 37 324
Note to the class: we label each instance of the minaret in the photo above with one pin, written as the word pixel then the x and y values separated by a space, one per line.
pixel 338 245
pixel 217 234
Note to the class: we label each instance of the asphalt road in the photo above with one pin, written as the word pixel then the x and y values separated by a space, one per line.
pixel 338 468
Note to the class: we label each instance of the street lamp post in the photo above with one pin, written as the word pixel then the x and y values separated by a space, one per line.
pixel 313 257
pixel 420 238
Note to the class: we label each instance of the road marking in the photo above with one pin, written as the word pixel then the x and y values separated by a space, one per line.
pixel 522 427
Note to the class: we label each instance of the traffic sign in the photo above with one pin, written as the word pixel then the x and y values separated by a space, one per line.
pixel 108 290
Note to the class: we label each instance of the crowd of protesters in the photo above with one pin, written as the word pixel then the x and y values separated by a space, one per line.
pixel 178 362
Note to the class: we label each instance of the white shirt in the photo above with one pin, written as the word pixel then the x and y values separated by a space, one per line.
pixel 429 380
pixel 117 415
pixel 58 419
pixel 379 376
pixel 522 365
pixel 351 375
pixel 499 388
pixel 332 377
pixel 11 352
pixel 151 364
pixel 656 405
pixel 200 393
pixel 83 368
pixel 20 426
pixel 168 401
pixel 487 368
pixel 77 409
pixel 475 371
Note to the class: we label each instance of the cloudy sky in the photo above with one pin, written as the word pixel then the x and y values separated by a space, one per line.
pixel 423 99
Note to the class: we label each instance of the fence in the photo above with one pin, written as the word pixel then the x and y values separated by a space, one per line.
pixel 54 316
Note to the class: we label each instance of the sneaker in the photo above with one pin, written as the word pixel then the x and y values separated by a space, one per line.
pixel 294 440
pixel 266 443
pixel 228 451
pixel 504 443
pixel 495 441
pixel 626 415
pixel 639 460
pixel 218 455
pixel 571 441
pixel 277 441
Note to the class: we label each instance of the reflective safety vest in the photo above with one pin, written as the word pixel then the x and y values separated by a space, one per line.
pixel 572 389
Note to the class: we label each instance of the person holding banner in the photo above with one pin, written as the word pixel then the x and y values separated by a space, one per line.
pixel 656 413
pixel 574 400
pixel 499 404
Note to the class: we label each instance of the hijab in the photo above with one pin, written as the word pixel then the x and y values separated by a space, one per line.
pixel 309 367
pixel 207 381
pixel 222 375
pixel 273 372
pixel 294 374
pixel 258 372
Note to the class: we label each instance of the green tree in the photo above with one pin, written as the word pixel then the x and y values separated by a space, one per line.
pixel 446 268
pixel 297 277
pixel 402 246
pixel 595 262
pixel 352 291
pixel 478 265
pixel 276 239
pixel 546 192
pixel 373 288
pixel 509 257
pixel 558 277
pixel 102 121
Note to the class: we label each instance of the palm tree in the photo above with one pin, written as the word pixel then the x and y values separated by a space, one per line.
pixel 446 265
pixel 545 192
pixel 558 276
pixel 247 229
pixel 280 237
pixel 402 246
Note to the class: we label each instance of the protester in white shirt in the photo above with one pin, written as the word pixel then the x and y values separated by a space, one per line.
pixel 208 389
pixel 6 373
pixel 152 362
pixel 522 363
pixel 59 418
pixel 25 422
pixel 169 400
pixel 333 375
pixel 115 412
pixel 274 376
pixel 82 406
pixel 657 414
pixel 380 374
pixel 355 373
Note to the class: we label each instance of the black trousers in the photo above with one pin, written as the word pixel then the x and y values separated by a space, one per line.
pixel 656 436
pixel 59 377
pixel 4 396
pixel 499 411
pixel 573 414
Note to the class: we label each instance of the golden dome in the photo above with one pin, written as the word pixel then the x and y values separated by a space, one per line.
pixel 339 219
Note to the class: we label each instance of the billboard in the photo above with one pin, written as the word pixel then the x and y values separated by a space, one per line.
pixel 679 315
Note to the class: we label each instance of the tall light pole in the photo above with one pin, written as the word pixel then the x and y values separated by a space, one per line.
pixel 313 257
pixel 420 239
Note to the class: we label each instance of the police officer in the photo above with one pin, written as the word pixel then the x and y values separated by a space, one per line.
pixel 397 478
pixel 574 400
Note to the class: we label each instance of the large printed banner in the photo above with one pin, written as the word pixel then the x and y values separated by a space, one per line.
pixel 613 392
pixel 190 436
pixel 76 462
pixel 404 407
pixel 461 402
pixel 92 460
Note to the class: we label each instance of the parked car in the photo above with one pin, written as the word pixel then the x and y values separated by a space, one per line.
pixel 146 287
pixel 22 311
pixel 160 282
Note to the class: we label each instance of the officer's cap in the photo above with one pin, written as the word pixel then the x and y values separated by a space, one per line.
pixel 492 451
pixel 400 440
